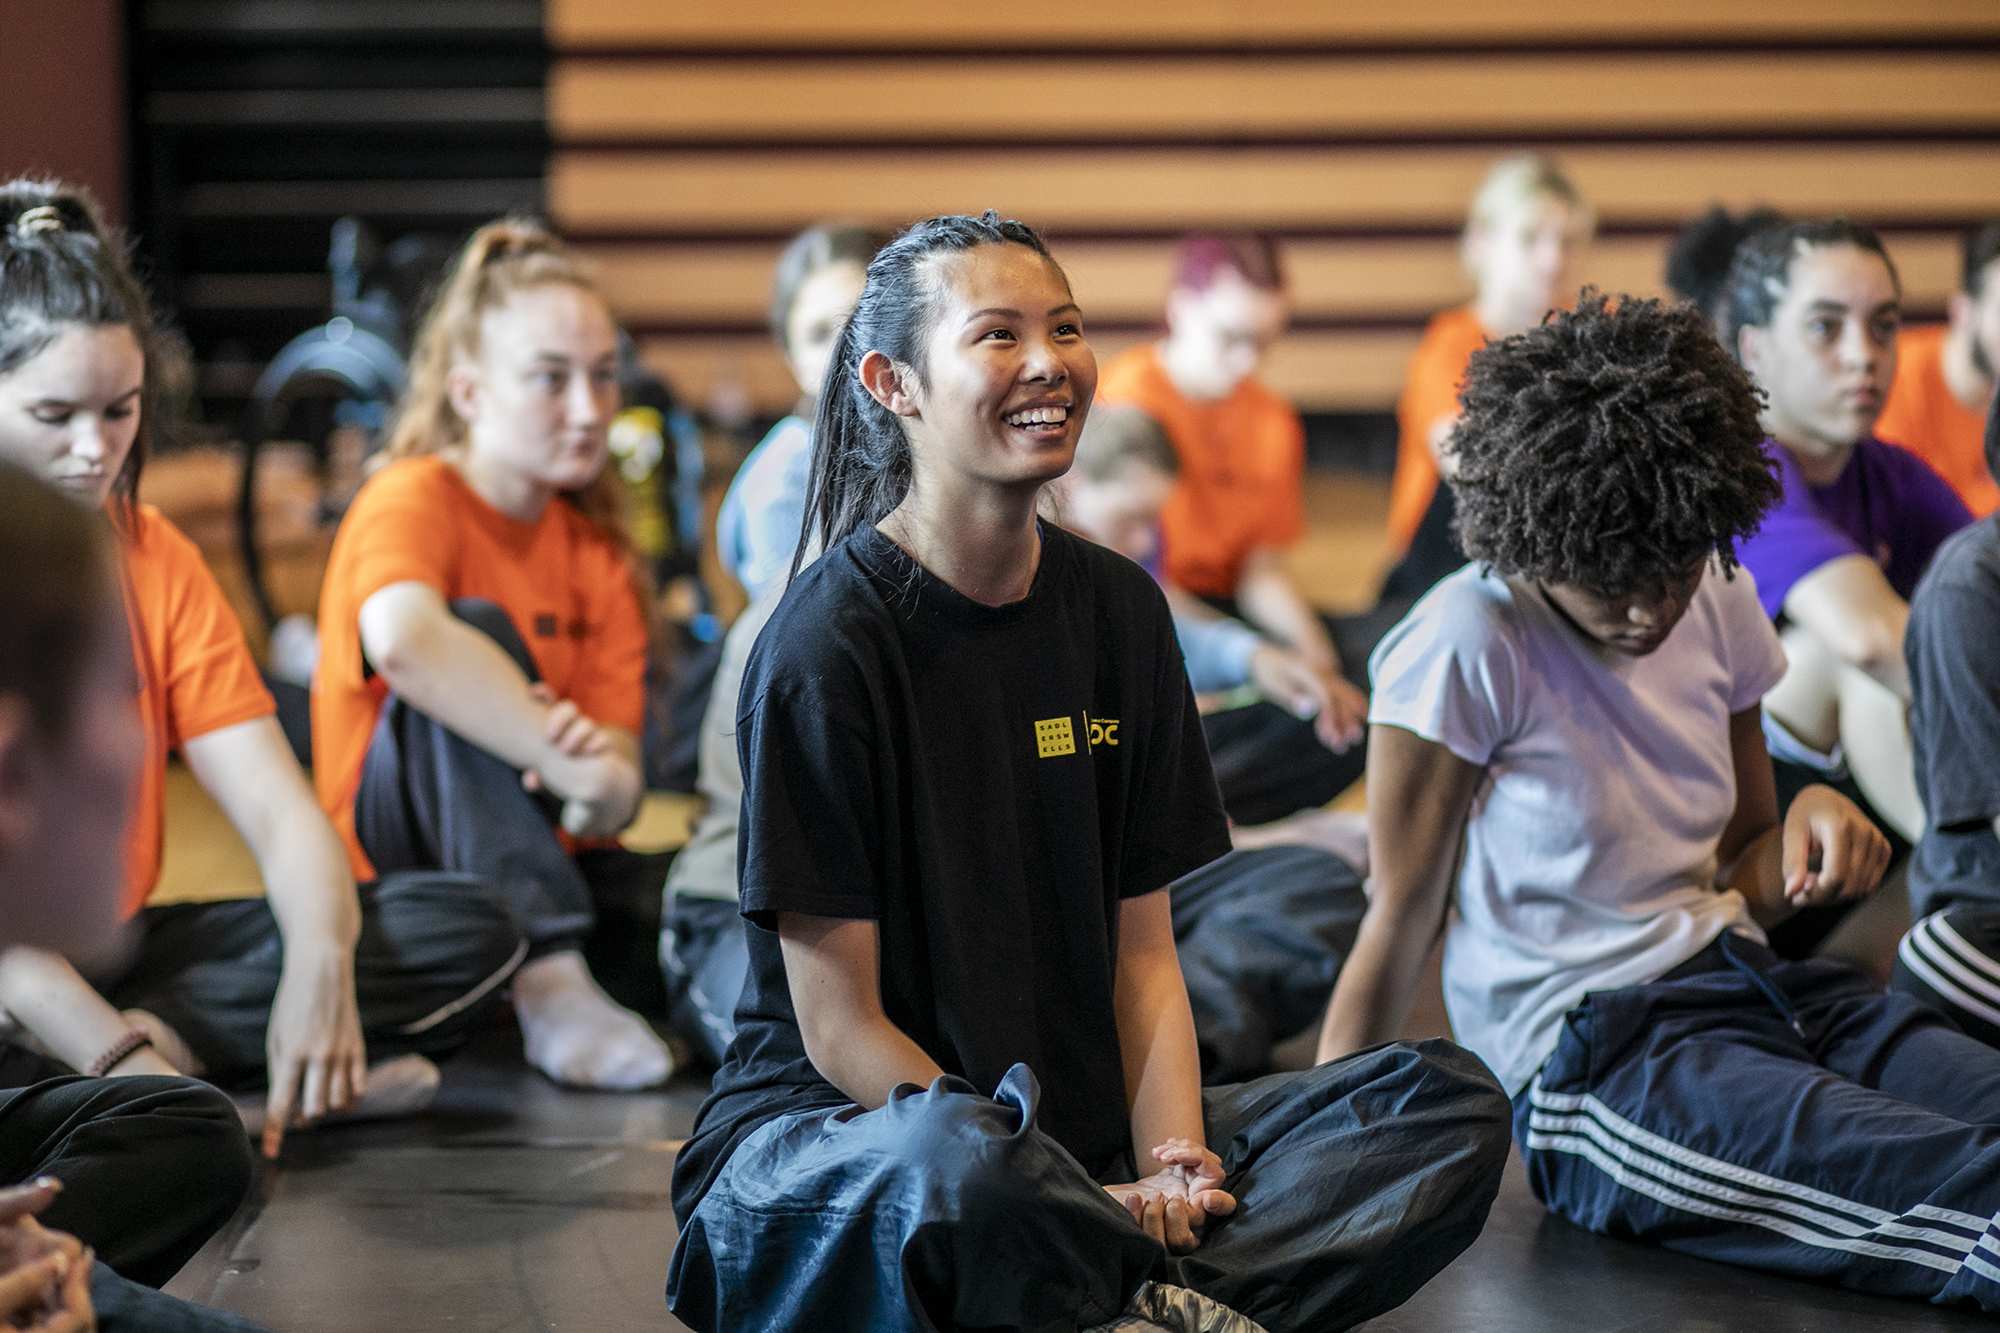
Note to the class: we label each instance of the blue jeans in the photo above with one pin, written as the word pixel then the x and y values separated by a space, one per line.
pixel 1355 1183
pixel 1779 1115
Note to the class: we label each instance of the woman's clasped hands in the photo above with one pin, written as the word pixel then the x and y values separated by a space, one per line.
pixel 1174 1203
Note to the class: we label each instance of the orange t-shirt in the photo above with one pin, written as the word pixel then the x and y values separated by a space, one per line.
pixel 1243 463
pixel 196 674
pixel 1430 391
pixel 1925 417
pixel 564 584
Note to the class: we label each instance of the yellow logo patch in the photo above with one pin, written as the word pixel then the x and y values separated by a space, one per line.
pixel 1103 730
pixel 1053 737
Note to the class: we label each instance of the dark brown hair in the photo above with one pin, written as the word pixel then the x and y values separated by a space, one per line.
pixel 1611 448
pixel 60 265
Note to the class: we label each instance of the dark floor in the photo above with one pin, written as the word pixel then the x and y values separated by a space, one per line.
pixel 514 1206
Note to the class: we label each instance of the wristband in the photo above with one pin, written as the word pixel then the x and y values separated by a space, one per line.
pixel 134 1041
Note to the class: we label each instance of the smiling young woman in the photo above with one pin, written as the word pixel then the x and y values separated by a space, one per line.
pixel 965 1087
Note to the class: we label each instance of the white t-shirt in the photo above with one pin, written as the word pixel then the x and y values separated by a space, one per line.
pixel 1590 854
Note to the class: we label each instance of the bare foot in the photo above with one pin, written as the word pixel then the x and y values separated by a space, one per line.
pixel 577 1035
pixel 1342 832
pixel 397 1087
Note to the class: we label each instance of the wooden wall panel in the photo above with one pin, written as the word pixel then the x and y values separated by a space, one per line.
pixel 1292 188
pixel 601 24
pixel 692 140
pixel 1320 371
pixel 725 287
pixel 1163 98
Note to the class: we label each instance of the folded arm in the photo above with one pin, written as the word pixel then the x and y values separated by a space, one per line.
pixel 1850 607
pixel 451 672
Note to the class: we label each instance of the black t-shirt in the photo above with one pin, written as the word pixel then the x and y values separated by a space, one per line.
pixel 986 783
pixel 1952 646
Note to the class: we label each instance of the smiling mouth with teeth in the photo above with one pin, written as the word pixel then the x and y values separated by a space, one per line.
pixel 1038 416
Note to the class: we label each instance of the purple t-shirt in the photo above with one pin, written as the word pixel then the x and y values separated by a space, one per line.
pixel 1887 504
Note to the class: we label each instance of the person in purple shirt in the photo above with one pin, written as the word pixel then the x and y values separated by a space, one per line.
pixel 1811 311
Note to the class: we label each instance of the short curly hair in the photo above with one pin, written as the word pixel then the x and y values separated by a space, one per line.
pixel 1613 449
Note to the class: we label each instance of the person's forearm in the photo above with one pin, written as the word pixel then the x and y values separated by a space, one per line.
pixel 1162 1062
pixel 459 677
pixel 51 999
pixel 250 771
pixel 866 1062
pixel 1758 874
pixel 1269 601
pixel 311 889
pixel 1378 983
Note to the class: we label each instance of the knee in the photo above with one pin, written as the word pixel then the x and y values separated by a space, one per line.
pixel 194 1131
pixel 452 918
pixel 492 620
pixel 975 1158
pixel 1430 1088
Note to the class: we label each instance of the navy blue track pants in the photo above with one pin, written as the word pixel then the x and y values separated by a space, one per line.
pixel 1786 1116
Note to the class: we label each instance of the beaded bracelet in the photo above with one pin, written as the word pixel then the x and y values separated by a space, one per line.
pixel 134 1041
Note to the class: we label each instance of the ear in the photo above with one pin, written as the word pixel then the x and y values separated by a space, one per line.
pixel 1750 342
pixel 1958 310
pixel 1477 246
pixel 19 762
pixel 890 383
pixel 461 387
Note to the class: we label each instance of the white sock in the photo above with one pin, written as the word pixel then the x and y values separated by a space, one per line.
pixel 577 1035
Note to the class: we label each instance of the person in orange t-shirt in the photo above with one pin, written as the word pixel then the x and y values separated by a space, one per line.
pixel 480 688
pixel 1943 391
pixel 1526 232
pixel 251 991
pixel 1238 503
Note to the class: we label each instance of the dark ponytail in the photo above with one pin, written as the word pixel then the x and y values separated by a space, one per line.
pixel 1761 272
pixel 861 464
pixel 61 266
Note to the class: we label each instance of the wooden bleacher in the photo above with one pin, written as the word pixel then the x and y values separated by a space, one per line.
pixel 691 140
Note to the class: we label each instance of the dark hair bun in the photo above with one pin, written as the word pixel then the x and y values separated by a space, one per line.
pixel 30 208
pixel 1699 261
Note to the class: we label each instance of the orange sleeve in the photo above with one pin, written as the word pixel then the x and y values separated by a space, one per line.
pixel 399 534
pixel 1430 391
pixel 610 681
pixel 210 679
